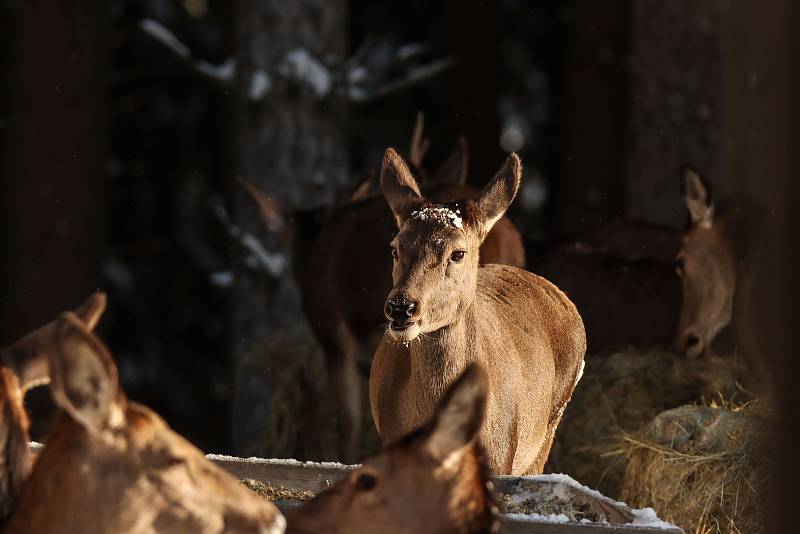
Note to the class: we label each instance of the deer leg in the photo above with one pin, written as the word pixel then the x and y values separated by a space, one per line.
pixel 347 383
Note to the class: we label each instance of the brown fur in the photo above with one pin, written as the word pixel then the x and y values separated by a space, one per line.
pixel 524 331
pixel 115 466
pixel 434 479
pixel 24 365
pixel 346 275
pixel 730 269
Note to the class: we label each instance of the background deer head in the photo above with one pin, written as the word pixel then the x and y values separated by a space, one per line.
pixel 706 266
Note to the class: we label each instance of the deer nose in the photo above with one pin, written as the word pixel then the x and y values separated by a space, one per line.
pixel 693 345
pixel 400 309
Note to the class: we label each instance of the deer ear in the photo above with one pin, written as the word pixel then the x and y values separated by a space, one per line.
pixel 83 376
pixel 459 416
pixel 697 198
pixel 399 186
pixel 28 357
pixel 495 198
pixel 454 169
pixel 91 310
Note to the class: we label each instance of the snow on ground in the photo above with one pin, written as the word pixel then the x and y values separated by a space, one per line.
pixel 560 488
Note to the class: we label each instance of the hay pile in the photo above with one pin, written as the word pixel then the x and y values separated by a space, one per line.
pixel 302 419
pixel 703 468
pixel 280 493
pixel 622 391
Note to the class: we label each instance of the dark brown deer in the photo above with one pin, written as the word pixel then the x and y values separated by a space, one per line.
pixel 621 277
pixel 344 280
pixel 23 365
pixel 434 479
pixel 447 311
pixel 115 466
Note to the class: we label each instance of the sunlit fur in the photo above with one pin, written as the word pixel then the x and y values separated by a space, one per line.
pixel 115 466
pixel 24 364
pixel 526 332
pixel 415 490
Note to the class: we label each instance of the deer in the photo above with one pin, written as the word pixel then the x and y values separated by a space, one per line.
pixel 434 479
pixel 343 282
pixel 730 271
pixel 445 311
pixel 24 365
pixel 621 277
pixel 111 465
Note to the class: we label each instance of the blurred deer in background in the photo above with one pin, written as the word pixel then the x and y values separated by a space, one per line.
pixel 621 277
pixel 345 277
pixel 730 270
pixel 446 311
pixel 115 466
pixel 25 365
pixel 434 479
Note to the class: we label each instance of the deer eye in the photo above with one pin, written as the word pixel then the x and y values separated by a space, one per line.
pixel 395 255
pixel 679 266
pixel 457 256
pixel 366 482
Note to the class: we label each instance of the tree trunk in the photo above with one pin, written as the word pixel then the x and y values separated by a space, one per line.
pixel 52 202
pixel 291 144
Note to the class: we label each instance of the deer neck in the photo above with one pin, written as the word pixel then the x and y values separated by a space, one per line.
pixel 442 355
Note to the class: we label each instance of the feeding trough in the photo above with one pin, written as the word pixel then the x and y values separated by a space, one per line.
pixel 547 504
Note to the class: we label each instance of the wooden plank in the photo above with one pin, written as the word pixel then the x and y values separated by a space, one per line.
pixel 291 474
pixel 315 477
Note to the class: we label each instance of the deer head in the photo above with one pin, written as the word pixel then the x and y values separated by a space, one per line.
pixel 706 266
pixel 436 249
pixel 115 466
pixel 432 480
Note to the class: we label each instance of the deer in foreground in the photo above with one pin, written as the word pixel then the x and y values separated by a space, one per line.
pixel 730 270
pixel 111 465
pixel 23 365
pixel 447 311
pixel 344 279
pixel 434 479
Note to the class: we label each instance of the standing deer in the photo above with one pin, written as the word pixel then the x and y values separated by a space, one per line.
pixel 115 466
pixel 434 479
pixel 344 282
pixel 446 311
pixel 24 365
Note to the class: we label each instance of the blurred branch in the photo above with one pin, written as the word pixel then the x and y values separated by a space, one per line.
pixel 415 76
pixel 301 67
pixel 220 75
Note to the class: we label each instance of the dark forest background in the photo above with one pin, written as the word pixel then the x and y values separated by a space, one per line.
pixel 120 152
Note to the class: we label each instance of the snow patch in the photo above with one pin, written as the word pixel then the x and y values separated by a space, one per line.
pixel 301 66
pixel 440 214
pixel 223 72
pixel 260 84
pixel 222 278
pixel 160 33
